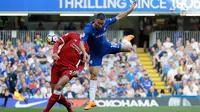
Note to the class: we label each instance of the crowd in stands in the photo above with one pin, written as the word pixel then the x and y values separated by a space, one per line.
pixel 178 65
pixel 26 67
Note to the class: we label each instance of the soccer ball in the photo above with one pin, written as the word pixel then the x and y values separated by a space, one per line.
pixel 51 39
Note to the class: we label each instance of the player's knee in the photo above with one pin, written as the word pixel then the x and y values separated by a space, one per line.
pixel 58 87
pixel 93 77
pixel 52 87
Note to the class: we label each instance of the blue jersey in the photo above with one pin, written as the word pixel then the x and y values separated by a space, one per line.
pixel 96 39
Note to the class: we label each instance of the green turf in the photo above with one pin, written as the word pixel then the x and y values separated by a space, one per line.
pixel 117 109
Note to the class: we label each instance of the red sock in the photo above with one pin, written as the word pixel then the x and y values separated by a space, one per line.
pixel 63 101
pixel 52 100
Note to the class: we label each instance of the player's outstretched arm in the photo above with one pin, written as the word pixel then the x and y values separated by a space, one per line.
pixel 85 54
pixel 62 40
pixel 124 14
pixel 84 38
pixel 82 46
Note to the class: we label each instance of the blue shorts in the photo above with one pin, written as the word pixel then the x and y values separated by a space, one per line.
pixel 96 60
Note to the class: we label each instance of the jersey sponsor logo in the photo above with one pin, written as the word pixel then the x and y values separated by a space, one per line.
pixel 91 62
pixel 127 103
pixel 104 34
pixel 18 105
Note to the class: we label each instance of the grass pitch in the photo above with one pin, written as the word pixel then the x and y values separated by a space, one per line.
pixel 117 109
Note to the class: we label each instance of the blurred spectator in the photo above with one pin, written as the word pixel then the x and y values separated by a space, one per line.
pixel 27 44
pixel 147 28
pixel 130 91
pixel 168 44
pixel 40 27
pixel 76 87
pixel 1 24
pixel 136 83
pixel 162 93
pixel 69 93
pixel 8 43
pixel 82 94
pixel 120 89
pixel 152 92
pixel 142 93
pixel 82 25
pixel 113 93
pixel 195 45
pixel 22 25
pixel 146 82
pixel 46 89
pixel 38 94
pixel 104 82
pixel 12 79
pixel 131 74
pixel 38 41
pixel 70 27
pixel 178 79
pixel 58 26
pixel 4 93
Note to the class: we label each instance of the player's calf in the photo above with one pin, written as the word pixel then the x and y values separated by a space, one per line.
pixel 52 100
pixel 94 71
pixel 56 93
pixel 66 103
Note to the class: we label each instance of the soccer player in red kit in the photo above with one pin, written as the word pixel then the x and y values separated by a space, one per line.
pixel 67 64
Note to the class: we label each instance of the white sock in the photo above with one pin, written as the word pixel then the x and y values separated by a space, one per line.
pixel 126 42
pixel 57 93
pixel 93 89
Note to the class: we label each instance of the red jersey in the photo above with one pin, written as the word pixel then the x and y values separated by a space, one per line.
pixel 70 54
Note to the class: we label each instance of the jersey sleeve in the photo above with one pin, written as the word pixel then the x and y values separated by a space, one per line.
pixel 85 35
pixel 63 39
pixel 110 21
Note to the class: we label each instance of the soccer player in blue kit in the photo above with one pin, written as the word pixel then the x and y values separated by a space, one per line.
pixel 95 35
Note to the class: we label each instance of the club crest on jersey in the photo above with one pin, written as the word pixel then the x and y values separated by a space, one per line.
pixel 91 62
pixel 82 35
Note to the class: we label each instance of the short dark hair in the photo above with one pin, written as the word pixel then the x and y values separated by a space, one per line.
pixel 100 16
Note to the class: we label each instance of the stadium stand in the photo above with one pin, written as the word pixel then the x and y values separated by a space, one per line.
pixel 178 65
pixel 25 66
